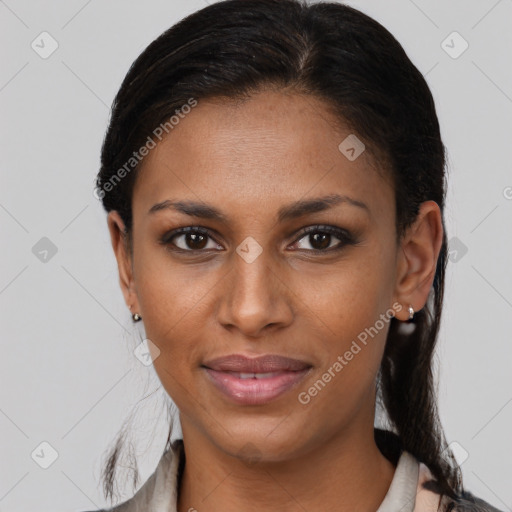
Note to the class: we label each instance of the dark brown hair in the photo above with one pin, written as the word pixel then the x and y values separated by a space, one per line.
pixel 327 50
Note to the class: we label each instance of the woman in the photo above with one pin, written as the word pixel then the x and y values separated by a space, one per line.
pixel 273 174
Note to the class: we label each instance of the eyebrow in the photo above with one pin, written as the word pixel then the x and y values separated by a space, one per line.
pixel 285 213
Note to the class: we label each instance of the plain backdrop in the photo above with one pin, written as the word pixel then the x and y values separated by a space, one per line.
pixel 69 375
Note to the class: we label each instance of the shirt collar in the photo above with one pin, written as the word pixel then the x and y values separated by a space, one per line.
pixel 401 494
pixel 158 495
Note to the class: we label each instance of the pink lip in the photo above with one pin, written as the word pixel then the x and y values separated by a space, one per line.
pixel 253 391
pixel 260 364
pixel 224 373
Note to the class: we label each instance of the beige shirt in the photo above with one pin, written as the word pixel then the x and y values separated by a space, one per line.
pixel 405 493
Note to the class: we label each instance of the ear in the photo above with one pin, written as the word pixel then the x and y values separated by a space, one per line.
pixel 122 253
pixel 417 259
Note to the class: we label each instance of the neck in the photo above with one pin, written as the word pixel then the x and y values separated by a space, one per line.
pixel 344 474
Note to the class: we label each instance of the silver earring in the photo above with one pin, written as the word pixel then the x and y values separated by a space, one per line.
pixel 136 317
pixel 411 313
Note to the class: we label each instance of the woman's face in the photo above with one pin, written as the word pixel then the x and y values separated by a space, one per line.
pixel 252 283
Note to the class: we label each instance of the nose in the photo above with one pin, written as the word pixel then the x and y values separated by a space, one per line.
pixel 255 299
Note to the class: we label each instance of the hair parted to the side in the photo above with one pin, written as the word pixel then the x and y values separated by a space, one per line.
pixel 330 51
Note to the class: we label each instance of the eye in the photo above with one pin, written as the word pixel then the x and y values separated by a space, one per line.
pixel 196 239
pixel 190 239
pixel 320 238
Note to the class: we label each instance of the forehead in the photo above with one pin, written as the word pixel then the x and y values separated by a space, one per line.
pixel 251 155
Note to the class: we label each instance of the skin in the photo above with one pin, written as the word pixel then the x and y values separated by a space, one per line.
pixel 248 160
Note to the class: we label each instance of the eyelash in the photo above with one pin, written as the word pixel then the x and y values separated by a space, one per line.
pixel 345 237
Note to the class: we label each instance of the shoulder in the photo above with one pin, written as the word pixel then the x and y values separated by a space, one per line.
pixel 160 489
pixel 429 499
pixel 468 502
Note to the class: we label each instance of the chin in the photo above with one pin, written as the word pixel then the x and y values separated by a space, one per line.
pixel 267 441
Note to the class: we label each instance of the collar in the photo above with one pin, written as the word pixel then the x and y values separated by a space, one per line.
pixel 405 494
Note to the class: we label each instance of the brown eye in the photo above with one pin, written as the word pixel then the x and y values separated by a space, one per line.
pixel 195 240
pixel 190 239
pixel 320 241
pixel 321 237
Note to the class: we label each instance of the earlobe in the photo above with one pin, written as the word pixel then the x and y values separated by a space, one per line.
pixel 417 259
pixel 124 261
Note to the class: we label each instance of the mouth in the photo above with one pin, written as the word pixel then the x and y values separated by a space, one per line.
pixel 255 381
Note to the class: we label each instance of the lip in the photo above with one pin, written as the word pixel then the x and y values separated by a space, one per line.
pixel 277 375
pixel 261 364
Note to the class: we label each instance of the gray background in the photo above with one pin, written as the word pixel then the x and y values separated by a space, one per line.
pixel 69 376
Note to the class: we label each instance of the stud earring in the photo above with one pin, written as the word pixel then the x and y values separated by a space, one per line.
pixel 411 313
pixel 136 317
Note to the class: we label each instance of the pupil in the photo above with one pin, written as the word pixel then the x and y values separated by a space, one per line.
pixel 198 241
pixel 191 239
pixel 324 243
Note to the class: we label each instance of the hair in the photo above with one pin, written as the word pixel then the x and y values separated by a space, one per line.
pixel 236 48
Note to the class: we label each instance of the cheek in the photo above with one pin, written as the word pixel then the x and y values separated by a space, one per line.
pixel 175 303
pixel 351 352
pixel 348 296
pixel 169 292
pixel 348 309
